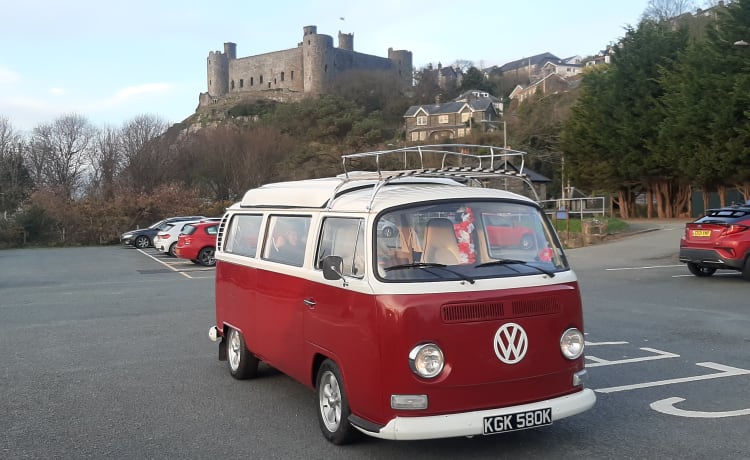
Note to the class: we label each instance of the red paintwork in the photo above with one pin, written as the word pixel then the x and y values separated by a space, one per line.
pixel 507 235
pixel 188 246
pixel 370 337
pixel 729 241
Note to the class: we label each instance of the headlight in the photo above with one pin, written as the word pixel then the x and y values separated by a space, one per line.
pixel 426 360
pixel 127 235
pixel 572 343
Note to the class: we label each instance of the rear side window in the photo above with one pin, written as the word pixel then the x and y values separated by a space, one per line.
pixel 188 230
pixel 243 235
pixel 286 239
pixel 344 238
pixel 212 230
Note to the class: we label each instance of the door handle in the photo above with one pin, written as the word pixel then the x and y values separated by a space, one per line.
pixel 310 303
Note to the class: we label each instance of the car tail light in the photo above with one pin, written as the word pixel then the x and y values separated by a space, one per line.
pixel 732 229
pixel 163 235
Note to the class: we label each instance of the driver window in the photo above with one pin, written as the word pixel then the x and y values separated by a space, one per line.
pixel 344 237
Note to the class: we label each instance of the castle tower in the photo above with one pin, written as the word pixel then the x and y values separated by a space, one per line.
pixel 317 60
pixel 218 69
pixel 401 60
pixel 346 41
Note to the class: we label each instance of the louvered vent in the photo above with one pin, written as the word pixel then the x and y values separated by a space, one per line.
pixel 467 312
pixel 539 306
pixel 220 234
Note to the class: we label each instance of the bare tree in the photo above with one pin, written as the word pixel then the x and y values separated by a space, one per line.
pixel 59 153
pixel 664 10
pixel 106 160
pixel 142 154
pixel 15 182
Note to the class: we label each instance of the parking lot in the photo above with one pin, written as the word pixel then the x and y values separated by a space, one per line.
pixel 106 355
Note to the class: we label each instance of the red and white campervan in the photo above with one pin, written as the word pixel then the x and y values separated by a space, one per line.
pixel 438 329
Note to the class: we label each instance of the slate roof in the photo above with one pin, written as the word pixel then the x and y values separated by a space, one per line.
pixel 537 60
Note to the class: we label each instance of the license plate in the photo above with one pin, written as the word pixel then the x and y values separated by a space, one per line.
pixel 702 233
pixel 518 421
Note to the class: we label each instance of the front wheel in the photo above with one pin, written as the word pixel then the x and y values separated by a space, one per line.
pixel 699 270
pixel 527 242
pixel 242 363
pixel 746 269
pixel 333 407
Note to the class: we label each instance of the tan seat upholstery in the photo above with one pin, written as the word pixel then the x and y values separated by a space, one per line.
pixel 440 244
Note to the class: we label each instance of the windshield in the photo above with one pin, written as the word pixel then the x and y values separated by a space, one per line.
pixel 466 241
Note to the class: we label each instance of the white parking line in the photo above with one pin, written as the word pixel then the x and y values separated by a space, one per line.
pixel 658 354
pixel 166 264
pixel 725 371
pixel 642 268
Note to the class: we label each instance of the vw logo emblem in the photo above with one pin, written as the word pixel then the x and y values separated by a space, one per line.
pixel 511 343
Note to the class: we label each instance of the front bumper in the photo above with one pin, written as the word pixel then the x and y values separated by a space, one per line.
pixel 472 423
pixel 709 258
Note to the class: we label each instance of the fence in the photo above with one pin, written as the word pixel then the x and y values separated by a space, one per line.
pixel 576 207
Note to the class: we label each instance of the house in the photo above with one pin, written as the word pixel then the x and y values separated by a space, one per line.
pixel 446 77
pixel 529 68
pixel 550 84
pixel 454 119
pixel 565 70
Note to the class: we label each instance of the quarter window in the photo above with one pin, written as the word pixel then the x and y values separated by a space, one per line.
pixel 242 238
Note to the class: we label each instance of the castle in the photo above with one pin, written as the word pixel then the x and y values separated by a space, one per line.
pixel 310 69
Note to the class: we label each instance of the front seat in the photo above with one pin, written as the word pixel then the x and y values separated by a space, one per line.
pixel 440 244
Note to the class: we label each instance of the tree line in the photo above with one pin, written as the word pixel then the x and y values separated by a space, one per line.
pixel 670 114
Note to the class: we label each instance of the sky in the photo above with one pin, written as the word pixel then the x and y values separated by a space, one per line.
pixel 113 61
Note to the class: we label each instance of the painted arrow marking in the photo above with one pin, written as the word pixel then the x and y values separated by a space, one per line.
pixel 724 371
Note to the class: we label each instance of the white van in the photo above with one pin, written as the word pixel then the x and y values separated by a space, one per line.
pixel 416 301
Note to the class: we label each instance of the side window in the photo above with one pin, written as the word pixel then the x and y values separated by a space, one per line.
pixel 286 239
pixel 243 235
pixel 344 238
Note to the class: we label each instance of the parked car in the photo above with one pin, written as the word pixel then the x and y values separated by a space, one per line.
pixel 198 243
pixel 503 232
pixel 144 237
pixel 166 240
pixel 387 228
pixel 719 240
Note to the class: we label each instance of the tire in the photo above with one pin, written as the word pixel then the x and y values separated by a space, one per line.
pixel 746 269
pixel 699 270
pixel 242 364
pixel 388 232
pixel 333 407
pixel 527 242
pixel 172 248
pixel 142 242
pixel 206 257
pixel 195 261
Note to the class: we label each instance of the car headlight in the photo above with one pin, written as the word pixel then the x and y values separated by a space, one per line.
pixel 127 235
pixel 426 360
pixel 572 343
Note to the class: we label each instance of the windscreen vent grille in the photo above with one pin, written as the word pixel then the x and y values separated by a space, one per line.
pixel 469 312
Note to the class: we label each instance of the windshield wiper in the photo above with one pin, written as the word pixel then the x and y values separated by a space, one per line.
pixel 426 266
pixel 513 262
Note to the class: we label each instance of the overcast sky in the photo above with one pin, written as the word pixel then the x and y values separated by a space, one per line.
pixel 112 61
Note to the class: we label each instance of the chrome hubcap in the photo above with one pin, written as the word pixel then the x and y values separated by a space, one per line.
pixel 330 401
pixel 233 350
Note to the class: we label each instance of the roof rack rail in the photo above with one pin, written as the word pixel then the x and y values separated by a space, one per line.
pixel 478 163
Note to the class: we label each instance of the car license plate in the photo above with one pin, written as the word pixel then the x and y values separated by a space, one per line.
pixel 518 421
pixel 702 233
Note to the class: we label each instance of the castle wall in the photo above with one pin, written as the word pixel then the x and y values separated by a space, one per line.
pixel 279 70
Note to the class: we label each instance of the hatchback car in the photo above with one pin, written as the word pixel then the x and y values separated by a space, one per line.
pixel 718 240
pixel 198 243
pixel 166 240
pixel 144 237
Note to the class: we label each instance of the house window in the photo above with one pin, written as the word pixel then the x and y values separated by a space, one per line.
pixel 461 132
pixel 421 121
pixel 465 117
pixel 443 119
pixel 422 136
pixel 414 136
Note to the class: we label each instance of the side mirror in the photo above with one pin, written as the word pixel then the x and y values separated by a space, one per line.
pixel 332 267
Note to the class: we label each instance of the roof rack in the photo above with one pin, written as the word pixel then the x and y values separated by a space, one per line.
pixel 478 163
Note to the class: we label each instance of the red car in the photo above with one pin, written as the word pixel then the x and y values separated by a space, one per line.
pixel 502 232
pixel 198 243
pixel 719 240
